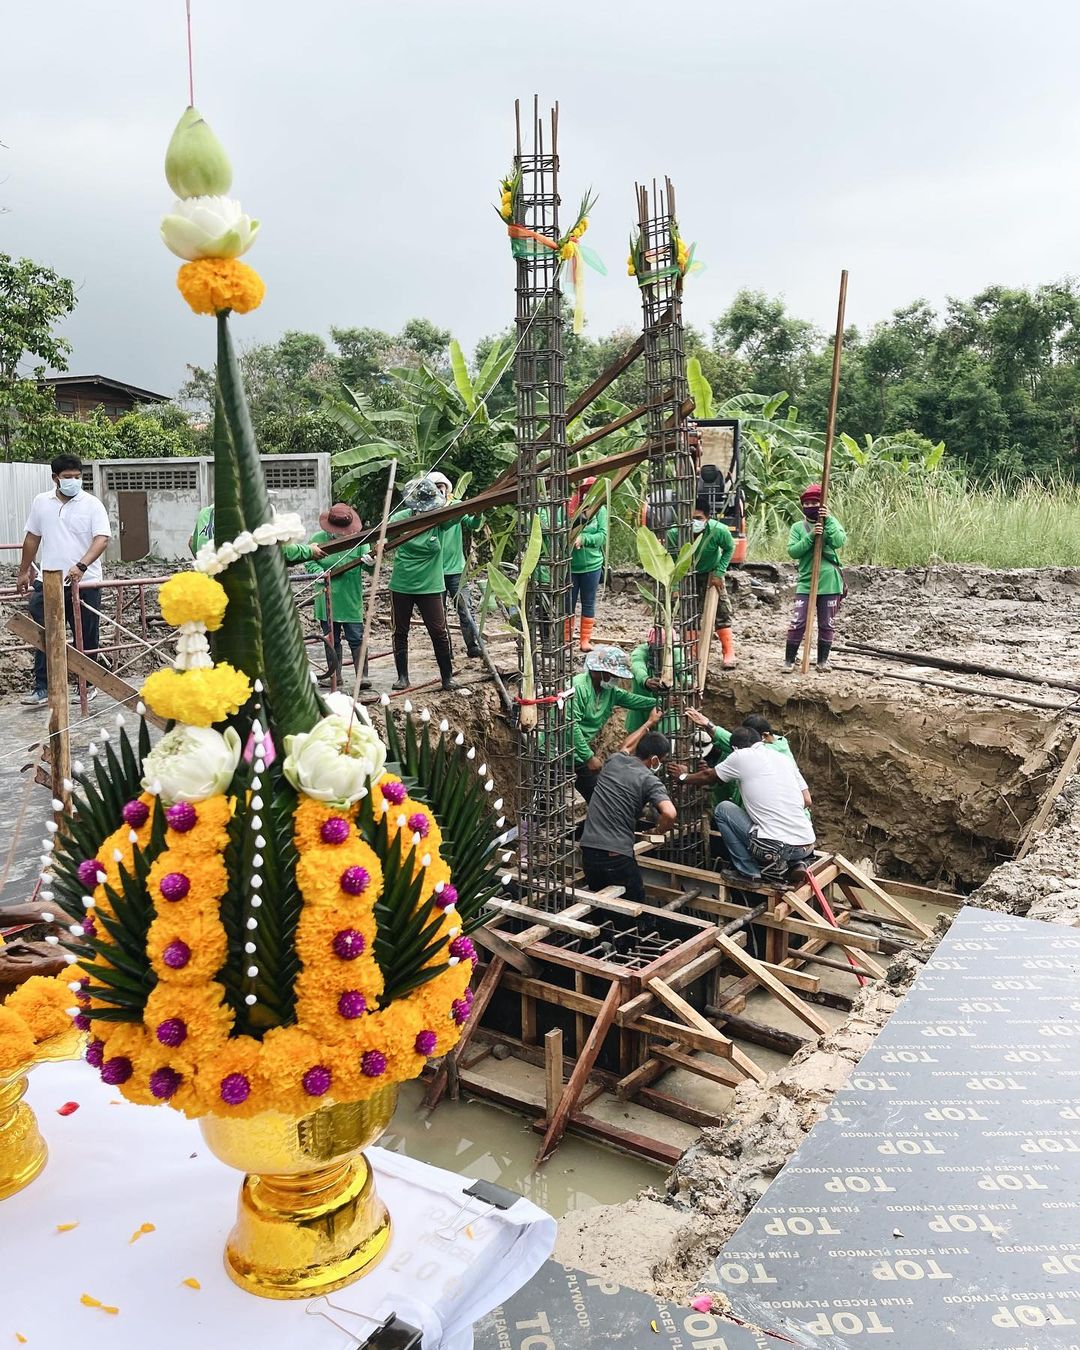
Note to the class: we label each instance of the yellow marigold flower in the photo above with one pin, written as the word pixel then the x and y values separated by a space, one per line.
pixel 207 882
pixel 197 697
pixel 186 949
pixel 210 834
pixel 309 818
pixel 285 1056
pixel 568 250
pixel 319 995
pixel 319 926
pixel 439 870
pixel 207 1021
pixel 193 597
pixel 42 1002
pixel 216 285
pixel 325 877
pixel 229 1083
pixel 16 1041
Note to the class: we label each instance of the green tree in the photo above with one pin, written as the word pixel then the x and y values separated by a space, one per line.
pixel 33 300
pixel 774 346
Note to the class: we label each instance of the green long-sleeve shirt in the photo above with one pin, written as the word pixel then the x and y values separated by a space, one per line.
pixel 593 709
pixel 639 664
pixel 588 556
pixel 800 546
pixel 203 534
pixel 715 547
pixel 453 546
pixel 347 590
pixel 418 563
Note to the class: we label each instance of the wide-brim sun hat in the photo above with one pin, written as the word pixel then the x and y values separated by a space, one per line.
pixel 341 520
pixel 609 661
pixel 440 480
pixel 422 495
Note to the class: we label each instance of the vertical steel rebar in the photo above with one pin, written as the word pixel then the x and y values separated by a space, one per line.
pixel 672 484
pixel 546 759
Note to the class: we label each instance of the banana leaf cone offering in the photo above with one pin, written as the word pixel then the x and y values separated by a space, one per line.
pixel 272 905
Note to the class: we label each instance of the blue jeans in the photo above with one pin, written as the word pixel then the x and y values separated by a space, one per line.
pixel 735 828
pixel 88 595
pixel 583 587
pixel 354 636
pixel 461 596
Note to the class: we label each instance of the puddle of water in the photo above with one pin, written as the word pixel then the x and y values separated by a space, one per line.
pixel 485 1143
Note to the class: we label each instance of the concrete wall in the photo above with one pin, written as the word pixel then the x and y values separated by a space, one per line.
pixel 177 489
pixel 19 485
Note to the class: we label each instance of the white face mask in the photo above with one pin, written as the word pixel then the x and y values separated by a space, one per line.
pixel 697 526
pixel 654 768
pixel 70 487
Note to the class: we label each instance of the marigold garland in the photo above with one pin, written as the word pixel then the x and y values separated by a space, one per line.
pixel 197 697
pixel 216 285
pixel 42 1002
pixel 16 1042
pixel 191 597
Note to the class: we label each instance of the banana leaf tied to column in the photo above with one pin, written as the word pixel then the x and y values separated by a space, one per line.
pixel 641 262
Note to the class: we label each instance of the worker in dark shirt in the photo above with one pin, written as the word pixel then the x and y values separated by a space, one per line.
pixel 628 782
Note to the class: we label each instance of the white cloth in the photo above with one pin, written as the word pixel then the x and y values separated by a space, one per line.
pixel 114 1166
pixel 771 787
pixel 66 529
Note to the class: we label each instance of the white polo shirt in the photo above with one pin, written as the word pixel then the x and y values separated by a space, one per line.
pixel 66 529
pixel 771 787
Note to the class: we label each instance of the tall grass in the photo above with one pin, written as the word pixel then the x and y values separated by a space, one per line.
pixel 901 521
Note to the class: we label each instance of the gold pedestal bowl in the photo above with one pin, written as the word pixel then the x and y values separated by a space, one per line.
pixel 23 1151
pixel 308 1218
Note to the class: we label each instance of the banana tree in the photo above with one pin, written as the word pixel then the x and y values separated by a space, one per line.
pixel 667 572
pixel 512 595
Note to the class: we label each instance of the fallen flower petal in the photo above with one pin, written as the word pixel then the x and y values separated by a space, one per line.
pixel 191 1282
pixel 88 1301
pixel 67 1109
pixel 702 1304
pixel 108 1308
pixel 20 1338
pixel 138 1233
pixel 66 1227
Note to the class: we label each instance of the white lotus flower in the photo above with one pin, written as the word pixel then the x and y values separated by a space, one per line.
pixel 341 705
pixel 334 762
pixel 208 227
pixel 190 764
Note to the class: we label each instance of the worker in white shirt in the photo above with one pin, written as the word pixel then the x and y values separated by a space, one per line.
pixel 771 832
pixel 67 531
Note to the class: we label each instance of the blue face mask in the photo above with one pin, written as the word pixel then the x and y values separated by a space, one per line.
pixel 70 487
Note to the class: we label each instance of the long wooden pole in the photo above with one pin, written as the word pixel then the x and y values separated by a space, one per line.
pixel 819 542
pixel 373 595
pixel 52 584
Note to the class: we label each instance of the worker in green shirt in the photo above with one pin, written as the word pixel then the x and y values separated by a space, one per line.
pixel 203 534
pixel 721 748
pixel 804 534
pixel 453 565
pixel 647 665
pixel 586 566
pixel 344 617
pixel 715 545
pixel 595 698
pixel 417 583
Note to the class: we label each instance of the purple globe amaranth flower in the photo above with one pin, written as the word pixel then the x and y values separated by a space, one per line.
pixel 81 1021
pixel 393 793
pixel 349 944
pixel 177 954
pixel 164 1082
pixel 335 830
pixel 372 1063
pixel 172 1032
pixel 419 824
pixel 88 926
pixel 463 949
pixel 174 886
pixel 425 1043
pixel 182 817
pixel 116 1070
pixel 354 880
pixel 135 813
pixel 95 1054
pixel 88 871
pixel 459 1011
pixel 235 1089
pixel 447 897
pixel 317 1080
pixel 352 1004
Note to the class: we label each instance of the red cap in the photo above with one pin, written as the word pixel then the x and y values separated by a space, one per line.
pixel 811 493
pixel 587 482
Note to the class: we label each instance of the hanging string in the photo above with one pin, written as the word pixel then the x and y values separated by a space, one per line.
pixel 190 63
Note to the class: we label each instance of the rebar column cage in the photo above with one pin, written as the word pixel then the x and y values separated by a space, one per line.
pixel 672 487
pixel 546 759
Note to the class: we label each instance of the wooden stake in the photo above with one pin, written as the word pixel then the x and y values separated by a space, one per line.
pixel 559 1119
pixel 553 1080
pixel 59 702
pixel 373 593
pixel 449 1066
pixel 830 428
pixel 707 624
pixel 1049 800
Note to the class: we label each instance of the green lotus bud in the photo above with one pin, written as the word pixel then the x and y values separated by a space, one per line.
pixel 195 163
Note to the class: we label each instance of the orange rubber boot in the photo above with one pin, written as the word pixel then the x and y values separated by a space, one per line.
pixel 568 630
pixel 586 634
pixel 727 646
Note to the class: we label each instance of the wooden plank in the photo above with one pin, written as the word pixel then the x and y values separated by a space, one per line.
pixel 539 931
pixel 553 1079
pixel 757 1033
pixel 850 942
pixel 677 1109
pixel 677 979
pixel 724 1073
pixel 677 959
pixel 607 899
pixel 693 1038
pixel 743 1061
pixel 23 626
pixel 640 1145
pixel 813 928
pixel 646 1073
pixel 557 1122
pixel 794 979
pixel 528 1020
pixel 556 923
pixel 706 625
pixel 891 907
pixel 768 981
pixel 909 891
pixel 679 1006
pixel 1048 801
pixel 59 744
pixel 494 942
pixel 579 1019
pixel 488 984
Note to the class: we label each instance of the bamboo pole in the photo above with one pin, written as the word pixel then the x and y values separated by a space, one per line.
pixel 373 594
pixel 819 542
pixel 56 658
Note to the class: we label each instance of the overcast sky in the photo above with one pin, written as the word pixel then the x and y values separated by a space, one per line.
pixel 932 147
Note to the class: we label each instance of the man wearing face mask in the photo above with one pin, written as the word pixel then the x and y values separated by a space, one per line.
pixel 67 531
pixel 715 545
pixel 629 781
pixel 596 696
pixel 831 589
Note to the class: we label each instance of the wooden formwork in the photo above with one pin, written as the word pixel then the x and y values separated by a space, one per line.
pixel 560 989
